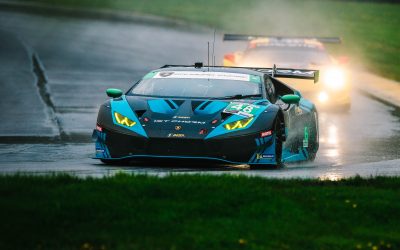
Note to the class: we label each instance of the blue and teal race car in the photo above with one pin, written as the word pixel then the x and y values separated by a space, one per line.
pixel 224 114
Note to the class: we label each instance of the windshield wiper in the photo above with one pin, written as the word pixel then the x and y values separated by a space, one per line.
pixel 239 96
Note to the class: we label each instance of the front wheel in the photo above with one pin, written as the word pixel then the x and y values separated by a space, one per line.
pixel 278 137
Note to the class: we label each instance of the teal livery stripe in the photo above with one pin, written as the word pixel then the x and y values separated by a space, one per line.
pixel 122 107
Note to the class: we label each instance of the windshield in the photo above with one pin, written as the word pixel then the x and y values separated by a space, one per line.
pixel 284 57
pixel 198 84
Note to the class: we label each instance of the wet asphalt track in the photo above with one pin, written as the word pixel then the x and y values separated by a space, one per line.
pixel 80 59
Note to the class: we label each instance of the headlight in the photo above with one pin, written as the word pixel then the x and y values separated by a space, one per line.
pixel 323 97
pixel 123 120
pixel 238 124
pixel 334 78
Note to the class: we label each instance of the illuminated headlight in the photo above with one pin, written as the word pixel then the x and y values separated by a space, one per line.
pixel 238 124
pixel 334 78
pixel 123 120
pixel 323 97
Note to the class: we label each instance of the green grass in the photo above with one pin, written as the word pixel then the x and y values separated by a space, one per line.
pixel 370 30
pixel 198 212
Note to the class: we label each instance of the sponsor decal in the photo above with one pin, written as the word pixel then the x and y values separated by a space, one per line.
pixel 305 140
pixel 264 156
pixel 165 74
pixel 242 109
pixel 267 156
pixel 178 121
pixel 291 72
pixel 207 75
pixel 176 135
pixel 266 133
pixel 181 117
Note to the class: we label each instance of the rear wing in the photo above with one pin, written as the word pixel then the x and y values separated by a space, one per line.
pixel 306 74
pixel 238 37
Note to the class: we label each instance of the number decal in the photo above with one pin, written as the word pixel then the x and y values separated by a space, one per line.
pixel 248 109
pixel 238 107
pixel 243 109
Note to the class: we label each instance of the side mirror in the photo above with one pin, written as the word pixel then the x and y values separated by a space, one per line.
pixel 291 99
pixel 114 93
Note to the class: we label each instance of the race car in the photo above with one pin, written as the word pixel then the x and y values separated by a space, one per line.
pixel 334 89
pixel 220 114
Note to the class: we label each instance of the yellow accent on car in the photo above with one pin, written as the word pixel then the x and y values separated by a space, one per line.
pixel 123 120
pixel 238 124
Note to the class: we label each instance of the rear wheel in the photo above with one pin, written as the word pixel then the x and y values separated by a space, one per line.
pixel 314 136
pixel 279 131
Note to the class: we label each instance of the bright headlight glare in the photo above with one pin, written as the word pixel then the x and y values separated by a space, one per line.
pixel 238 124
pixel 123 120
pixel 334 78
pixel 323 97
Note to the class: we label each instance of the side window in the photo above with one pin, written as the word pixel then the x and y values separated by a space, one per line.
pixel 269 87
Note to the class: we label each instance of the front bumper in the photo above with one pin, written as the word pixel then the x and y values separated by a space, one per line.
pixel 246 149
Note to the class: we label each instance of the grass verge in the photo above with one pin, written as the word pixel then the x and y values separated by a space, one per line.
pixel 198 212
pixel 369 30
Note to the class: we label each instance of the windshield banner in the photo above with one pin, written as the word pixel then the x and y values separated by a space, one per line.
pixel 208 75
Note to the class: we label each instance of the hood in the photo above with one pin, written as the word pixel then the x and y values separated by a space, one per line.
pixel 187 118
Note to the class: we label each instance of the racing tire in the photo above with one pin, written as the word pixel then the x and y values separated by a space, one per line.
pixel 278 148
pixel 314 136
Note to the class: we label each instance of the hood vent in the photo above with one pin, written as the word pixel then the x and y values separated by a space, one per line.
pixel 174 104
pixel 205 105
pixel 196 104
pixel 139 113
pixel 171 104
pixel 209 107
pixel 225 116
pixel 178 102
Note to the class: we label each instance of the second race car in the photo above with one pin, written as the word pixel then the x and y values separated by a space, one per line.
pixel 333 91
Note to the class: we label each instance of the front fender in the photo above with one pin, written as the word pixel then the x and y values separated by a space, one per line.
pixel 263 121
